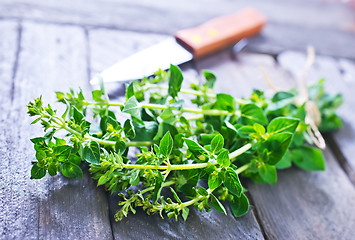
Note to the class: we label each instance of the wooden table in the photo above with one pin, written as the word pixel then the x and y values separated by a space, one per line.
pixel 47 46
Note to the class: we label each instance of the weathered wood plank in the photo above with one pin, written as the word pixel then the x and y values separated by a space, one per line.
pixel 302 205
pixel 339 75
pixel 107 47
pixel 292 24
pixel 8 48
pixel 51 58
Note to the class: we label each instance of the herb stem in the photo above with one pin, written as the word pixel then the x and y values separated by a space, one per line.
pixel 184 166
pixel 165 184
pixel 213 112
pixel 183 90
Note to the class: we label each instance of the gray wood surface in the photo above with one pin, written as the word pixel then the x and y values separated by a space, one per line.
pixel 51 58
pixel 302 205
pixel 46 46
pixel 328 25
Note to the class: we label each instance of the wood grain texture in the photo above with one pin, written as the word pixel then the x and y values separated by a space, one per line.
pixel 51 58
pixel 8 47
pixel 292 24
pixel 340 78
pixel 197 226
pixel 302 205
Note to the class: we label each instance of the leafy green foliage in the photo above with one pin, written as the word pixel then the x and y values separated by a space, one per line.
pixel 224 142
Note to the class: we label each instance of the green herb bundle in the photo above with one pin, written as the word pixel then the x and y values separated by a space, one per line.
pixel 195 154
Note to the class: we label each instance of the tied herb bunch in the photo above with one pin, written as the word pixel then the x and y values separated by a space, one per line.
pixel 195 154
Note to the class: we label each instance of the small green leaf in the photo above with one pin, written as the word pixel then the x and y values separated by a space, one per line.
pixel 285 162
pixel 223 158
pixel 239 206
pixel 52 169
pixel 210 78
pixel 91 153
pixel 214 180
pixel 217 204
pixel 145 131
pixel 40 155
pixel 71 170
pixel 202 191
pixel 195 148
pixel 96 95
pixel 247 131
pixel 268 173
pixel 175 81
pixel 62 152
pixel 37 172
pixel 185 213
pixel 175 195
pixel 157 186
pixel 250 114
pixel 282 124
pixel 78 116
pixel 225 102
pixel 114 123
pixel 277 146
pixel 232 183
pixel 217 143
pixel 166 145
pixel 129 129
pixel 308 158
pixel 134 179
pixel 120 146
pixel 132 107
pixel 177 105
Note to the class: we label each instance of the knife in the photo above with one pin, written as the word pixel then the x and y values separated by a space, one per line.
pixel 188 44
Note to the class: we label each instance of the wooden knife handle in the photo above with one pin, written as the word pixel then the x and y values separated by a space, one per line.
pixel 221 32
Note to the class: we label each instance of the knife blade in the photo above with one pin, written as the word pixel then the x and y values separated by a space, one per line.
pixel 187 44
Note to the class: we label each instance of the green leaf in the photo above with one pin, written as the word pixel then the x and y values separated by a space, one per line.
pixel 114 123
pixel 128 129
pixel 225 102
pixel 177 105
pixel 166 145
pixel 217 204
pixel 282 124
pixel 175 81
pixel 78 116
pixel 185 213
pixel 52 169
pixel 134 179
pixel 247 131
pixel 285 162
pixel 120 146
pixel 37 172
pixel 62 152
pixel 40 155
pixel 91 153
pixel 59 141
pixel 157 186
pixel 250 114
pixel 175 195
pixel 223 158
pixel 195 148
pixel 214 180
pixel 210 78
pixel 96 95
pixel 268 173
pixel 232 183
pixel 239 206
pixel 202 191
pixel 132 107
pixel 277 146
pixel 71 170
pixel 217 143
pixel 145 131
pixel 308 158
